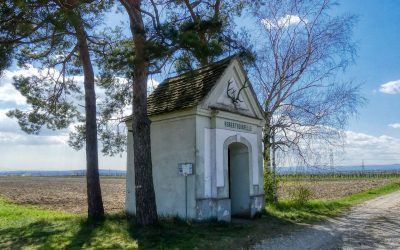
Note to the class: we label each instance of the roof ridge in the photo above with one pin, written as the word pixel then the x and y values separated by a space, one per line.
pixel 199 70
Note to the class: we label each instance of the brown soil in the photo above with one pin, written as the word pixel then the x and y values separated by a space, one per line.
pixel 330 189
pixel 62 193
pixel 69 193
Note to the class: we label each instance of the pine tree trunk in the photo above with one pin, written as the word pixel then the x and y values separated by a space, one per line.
pixel 95 202
pixel 146 210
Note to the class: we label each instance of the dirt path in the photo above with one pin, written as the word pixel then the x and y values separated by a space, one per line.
pixel 374 224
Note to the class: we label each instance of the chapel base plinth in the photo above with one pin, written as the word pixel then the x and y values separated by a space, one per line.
pixel 257 204
pixel 213 208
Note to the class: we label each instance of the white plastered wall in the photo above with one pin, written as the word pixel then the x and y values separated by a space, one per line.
pixel 172 142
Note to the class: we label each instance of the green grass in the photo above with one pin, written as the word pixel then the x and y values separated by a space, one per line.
pixel 320 209
pixel 32 228
pixel 28 227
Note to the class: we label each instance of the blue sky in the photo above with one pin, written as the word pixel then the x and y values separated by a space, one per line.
pixel 377 34
pixel 374 135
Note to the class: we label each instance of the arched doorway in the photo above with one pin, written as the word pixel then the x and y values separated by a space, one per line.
pixel 239 183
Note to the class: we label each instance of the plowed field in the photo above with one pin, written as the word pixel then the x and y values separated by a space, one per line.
pixel 69 193
pixel 62 193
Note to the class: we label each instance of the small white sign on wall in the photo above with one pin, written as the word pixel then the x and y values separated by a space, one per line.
pixel 186 168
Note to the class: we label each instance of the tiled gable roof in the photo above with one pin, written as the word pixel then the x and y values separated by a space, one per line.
pixel 187 90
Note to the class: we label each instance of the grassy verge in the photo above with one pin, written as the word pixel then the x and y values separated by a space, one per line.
pixel 319 209
pixel 28 227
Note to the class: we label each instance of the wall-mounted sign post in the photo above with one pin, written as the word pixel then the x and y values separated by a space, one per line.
pixel 186 169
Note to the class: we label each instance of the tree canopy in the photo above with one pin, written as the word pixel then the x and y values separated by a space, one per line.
pixel 53 36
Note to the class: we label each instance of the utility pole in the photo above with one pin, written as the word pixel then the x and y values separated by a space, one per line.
pixel 331 162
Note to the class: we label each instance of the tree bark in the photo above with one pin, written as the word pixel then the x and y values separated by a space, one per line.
pixel 270 169
pixel 146 210
pixel 270 183
pixel 94 198
pixel 273 172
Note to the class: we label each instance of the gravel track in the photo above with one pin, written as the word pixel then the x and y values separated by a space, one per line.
pixel 374 224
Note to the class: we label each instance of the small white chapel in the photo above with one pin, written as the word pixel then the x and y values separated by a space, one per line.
pixel 206 142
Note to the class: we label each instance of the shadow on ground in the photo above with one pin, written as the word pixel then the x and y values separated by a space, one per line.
pixel 37 234
pixel 71 233
pixel 121 232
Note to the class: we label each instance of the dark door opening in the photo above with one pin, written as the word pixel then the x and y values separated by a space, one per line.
pixel 239 183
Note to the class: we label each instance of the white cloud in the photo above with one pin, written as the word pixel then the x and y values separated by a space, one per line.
pixel 44 157
pixel 8 93
pixel 381 149
pixel 282 22
pixel 392 87
pixel 394 125
pixel 9 138
pixel 352 149
pixel 11 134
pixel 29 70
pixel 46 151
pixel 6 123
